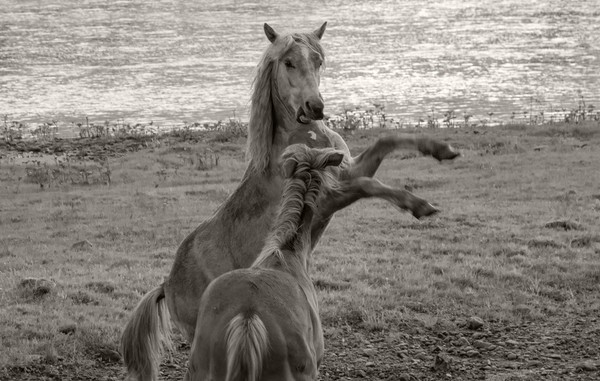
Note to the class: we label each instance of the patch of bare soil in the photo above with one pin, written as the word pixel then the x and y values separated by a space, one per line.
pixel 96 148
pixel 563 347
pixel 87 148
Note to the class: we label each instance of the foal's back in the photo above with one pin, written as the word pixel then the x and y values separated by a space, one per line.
pixel 272 298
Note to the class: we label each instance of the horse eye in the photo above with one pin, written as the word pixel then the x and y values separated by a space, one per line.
pixel 289 64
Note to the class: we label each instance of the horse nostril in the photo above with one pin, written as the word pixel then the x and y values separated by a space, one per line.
pixel 314 108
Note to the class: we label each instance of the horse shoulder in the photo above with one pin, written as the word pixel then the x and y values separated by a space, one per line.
pixel 336 140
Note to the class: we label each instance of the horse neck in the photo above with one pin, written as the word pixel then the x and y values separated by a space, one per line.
pixel 302 243
pixel 289 243
pixel 283 124
pixel 298 258
pixel 296 251
pixel 292 226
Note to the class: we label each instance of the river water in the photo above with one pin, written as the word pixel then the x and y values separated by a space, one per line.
pixel 171 61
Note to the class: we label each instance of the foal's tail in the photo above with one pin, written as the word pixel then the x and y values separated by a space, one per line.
pixel 147 331
pixel 247 345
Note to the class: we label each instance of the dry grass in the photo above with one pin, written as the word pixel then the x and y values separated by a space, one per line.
pixel 492 252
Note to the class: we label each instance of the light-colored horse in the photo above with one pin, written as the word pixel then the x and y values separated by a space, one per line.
pixel 262 323
pixel 286 108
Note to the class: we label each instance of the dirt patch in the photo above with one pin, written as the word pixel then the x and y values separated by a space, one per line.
pixel 561 348
pixel 94 148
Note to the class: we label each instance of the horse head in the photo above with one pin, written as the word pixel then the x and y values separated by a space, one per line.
pixel 297 72
pixel 285 90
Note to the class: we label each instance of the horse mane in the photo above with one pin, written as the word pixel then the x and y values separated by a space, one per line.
pixel 261 128
pixel 301 190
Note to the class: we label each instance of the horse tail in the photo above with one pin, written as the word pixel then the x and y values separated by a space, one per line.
pixel 144 336
pixel 247 345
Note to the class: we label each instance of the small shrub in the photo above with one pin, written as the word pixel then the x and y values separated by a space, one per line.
pixel 6 253
pixel 97 344
pixel 101 287
pixel 32 289
pixel 563 225
pixel 323 284
pixel 543 243
pixel 81 297
pixel 205 161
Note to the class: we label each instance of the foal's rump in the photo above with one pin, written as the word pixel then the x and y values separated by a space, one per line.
pixel 254 324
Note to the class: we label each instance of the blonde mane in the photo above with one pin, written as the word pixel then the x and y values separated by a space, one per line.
pixel 304 184
pixel 265 96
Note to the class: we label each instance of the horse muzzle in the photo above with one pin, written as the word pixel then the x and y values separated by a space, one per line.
pixel 301 116
pixel 310 111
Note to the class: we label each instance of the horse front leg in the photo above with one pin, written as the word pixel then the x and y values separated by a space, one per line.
pixel 367 163
pixel 366 187
pixel 354 189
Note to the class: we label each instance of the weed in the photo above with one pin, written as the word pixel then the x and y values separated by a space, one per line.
pixel 205 161
pixel 81 297
pixel 45 131
pixel 6 253
pixel 584 241
pixel 102 287
pixel 99 344
pixel 542 242
pixel 563 225
pixel 323 284
pixel 13 130
pixel 228 131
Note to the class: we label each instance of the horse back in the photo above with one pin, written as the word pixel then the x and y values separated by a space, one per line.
pixel 294 333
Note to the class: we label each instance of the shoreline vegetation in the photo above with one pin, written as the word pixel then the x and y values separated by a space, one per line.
pixel 350 119
pixel 52 160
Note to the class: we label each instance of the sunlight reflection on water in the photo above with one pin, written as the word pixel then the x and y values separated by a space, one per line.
pixel 172 61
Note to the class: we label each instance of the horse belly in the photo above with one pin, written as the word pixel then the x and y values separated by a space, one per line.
pixel 229 241
pixel 198 262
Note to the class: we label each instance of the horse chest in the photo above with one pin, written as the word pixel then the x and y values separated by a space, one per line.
pixel 312 136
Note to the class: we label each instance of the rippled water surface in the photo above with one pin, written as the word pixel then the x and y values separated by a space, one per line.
pixel 191 60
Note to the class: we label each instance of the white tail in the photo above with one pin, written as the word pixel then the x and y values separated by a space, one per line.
pixel 144 336
pixel 247 345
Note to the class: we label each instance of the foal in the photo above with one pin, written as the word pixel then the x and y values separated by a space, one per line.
pixel 270 309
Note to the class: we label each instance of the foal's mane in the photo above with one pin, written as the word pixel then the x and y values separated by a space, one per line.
pixel 307 181
pixel 261 126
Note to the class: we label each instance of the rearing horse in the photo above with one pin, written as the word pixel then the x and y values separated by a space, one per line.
pixel 262 323
pixel 286 108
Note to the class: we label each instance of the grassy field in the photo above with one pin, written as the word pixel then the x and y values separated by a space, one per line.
pixel 517 244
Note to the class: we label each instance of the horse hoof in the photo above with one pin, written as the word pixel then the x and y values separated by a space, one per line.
pixel 424 210
pixel 445 152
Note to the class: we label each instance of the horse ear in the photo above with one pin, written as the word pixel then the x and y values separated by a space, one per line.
pixel 270 32
pixel 319 32
pixel 334 159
